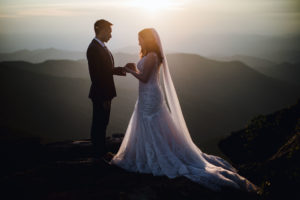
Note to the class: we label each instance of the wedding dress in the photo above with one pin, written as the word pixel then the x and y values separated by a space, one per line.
pixel 157 140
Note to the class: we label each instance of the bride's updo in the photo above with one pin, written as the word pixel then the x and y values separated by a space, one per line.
pixel 150 44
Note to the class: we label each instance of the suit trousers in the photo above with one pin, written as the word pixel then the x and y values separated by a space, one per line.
pixel 100 121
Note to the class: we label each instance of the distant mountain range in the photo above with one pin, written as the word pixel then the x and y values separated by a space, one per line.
pixel 287 71
pixel 284 71
pixel 41 55
pixel 49 99
pixel 248 60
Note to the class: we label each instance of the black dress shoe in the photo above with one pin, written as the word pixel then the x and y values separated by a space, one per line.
pixel 107 157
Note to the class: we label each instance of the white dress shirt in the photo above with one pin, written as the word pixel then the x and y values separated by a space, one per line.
pixel 100 42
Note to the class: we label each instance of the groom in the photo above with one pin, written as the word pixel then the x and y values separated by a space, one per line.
pixel 102 91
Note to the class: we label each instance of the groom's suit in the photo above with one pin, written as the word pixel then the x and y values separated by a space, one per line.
pixel 102 91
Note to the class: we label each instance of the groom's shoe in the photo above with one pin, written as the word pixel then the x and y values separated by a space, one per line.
pixel 107 157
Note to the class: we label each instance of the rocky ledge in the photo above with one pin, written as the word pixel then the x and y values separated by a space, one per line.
pixel 65 170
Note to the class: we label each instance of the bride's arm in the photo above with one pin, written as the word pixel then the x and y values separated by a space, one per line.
pixel 149 65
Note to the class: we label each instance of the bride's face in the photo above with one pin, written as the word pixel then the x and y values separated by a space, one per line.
pixel 141 42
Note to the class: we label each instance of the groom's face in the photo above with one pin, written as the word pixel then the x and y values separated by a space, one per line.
pixel 107 34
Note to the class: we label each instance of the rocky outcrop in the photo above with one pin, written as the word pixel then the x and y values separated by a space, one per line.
pixel 267 151
pixel 65 170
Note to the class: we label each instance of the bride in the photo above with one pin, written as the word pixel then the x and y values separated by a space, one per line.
pixel 157 140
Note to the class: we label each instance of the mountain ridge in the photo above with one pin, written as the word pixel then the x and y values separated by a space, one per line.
pixel 207 91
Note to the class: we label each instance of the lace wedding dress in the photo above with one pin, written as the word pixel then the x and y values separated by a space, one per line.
pixel 159 143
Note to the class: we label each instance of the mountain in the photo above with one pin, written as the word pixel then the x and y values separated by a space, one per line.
pixel 286 71
pixel 215 89
pixel 43 105
pixel 251 61
pixel 50 99
pixel 267 151
pixel 288 55
pixel 41 55
pixel 70 69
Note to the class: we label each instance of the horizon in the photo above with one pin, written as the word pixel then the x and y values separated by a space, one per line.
pixel 52 53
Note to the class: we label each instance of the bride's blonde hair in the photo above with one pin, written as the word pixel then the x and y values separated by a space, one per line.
pixel 150 43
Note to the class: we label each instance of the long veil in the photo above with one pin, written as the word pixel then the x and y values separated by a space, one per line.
pixel 171 97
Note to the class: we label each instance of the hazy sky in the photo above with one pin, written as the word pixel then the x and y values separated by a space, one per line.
pixel 182 24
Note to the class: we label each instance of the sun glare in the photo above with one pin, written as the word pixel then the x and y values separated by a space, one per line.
pixel 154 5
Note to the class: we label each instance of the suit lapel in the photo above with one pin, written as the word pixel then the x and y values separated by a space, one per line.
pixel 107 51
pixel 111 56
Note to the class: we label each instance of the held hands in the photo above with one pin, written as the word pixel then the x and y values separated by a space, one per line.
pixel 130 67
pixel 123 71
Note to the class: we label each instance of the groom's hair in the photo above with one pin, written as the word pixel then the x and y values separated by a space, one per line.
pixel 101 24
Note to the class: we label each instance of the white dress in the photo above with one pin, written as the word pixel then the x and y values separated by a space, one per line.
pixel 153 144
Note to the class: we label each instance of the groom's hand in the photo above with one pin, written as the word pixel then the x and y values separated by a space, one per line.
pixel 123 71
pixel 119 71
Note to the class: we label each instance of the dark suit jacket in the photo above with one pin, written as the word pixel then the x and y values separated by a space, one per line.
pixel 101 68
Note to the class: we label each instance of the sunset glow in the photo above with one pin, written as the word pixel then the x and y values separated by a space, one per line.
pixel 155 5
pixel 200 26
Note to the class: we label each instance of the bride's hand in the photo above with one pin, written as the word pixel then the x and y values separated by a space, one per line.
pixel 127 69
pixel 130 67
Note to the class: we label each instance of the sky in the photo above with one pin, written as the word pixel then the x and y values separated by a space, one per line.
pixel 183 25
